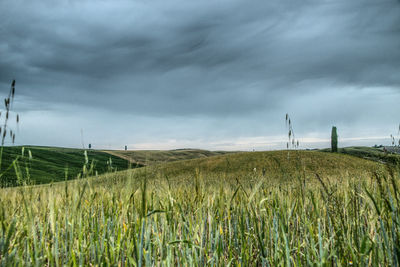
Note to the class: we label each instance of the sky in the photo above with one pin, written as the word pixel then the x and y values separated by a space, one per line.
pixel 211 74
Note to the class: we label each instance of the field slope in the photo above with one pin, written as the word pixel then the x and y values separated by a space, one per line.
pixel 150 157
pixel 276 165
pixel 51 164
pixel 371 153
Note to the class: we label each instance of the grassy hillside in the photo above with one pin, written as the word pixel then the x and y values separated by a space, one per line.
pixel 274 164
pixel 48 164
pixel 278 165
pixel 215 211
pixel 371 153
pixel 149 157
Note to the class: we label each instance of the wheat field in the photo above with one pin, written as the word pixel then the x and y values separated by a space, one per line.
pixel 149 217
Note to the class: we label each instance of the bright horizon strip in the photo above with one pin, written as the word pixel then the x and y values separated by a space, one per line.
pixel 259 143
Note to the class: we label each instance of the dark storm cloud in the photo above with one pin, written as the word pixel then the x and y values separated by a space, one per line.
pixel 189 56
pixel 199 58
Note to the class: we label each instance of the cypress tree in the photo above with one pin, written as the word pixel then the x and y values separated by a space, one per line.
pixel 334 139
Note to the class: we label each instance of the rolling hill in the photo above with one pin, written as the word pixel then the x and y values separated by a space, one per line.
pixel 274 166
pixel 150 157
pixel 370 153
pixel 51 164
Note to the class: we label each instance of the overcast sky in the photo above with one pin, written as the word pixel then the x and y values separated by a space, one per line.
pixel 211 74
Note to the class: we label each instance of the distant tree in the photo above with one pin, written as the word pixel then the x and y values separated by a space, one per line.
pixel 90 146
pixel 334 139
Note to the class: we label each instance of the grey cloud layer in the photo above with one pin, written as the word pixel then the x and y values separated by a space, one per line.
pixel 197 58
